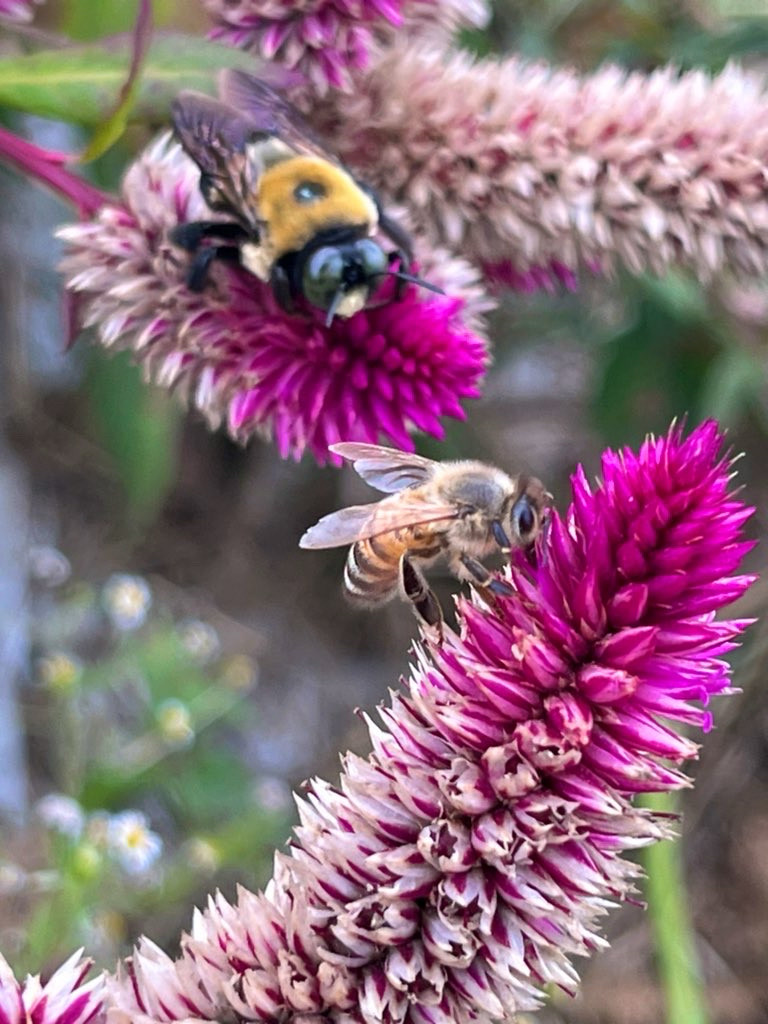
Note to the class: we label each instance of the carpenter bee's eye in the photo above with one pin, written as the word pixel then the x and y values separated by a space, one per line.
pixel 372 257
pixel 323 275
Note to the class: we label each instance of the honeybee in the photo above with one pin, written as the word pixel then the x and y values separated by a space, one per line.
pixel 460 511
pixel 299 220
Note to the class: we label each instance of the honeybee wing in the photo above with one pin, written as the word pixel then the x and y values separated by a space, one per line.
pixel 386 469
pixel 361 522
pixel 269 112
pixel 217 137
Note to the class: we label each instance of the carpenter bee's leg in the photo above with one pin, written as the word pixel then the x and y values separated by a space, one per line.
pixel 424 602
pixel 189 236
pixel 197 275
pixel 394 232
pixel 477 573
pixel 399 236
pixel 281 286
pixel 399 256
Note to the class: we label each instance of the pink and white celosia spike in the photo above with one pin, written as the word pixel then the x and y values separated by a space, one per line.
pixel 538 172
pixel 460 868
pixel 235 355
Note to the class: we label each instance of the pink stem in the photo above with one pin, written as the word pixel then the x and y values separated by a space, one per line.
pixel 47 167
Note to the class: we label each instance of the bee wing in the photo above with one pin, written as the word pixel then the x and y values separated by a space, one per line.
pixel 217 137
pixel 359 522
pixel 269 112
pixel 386 469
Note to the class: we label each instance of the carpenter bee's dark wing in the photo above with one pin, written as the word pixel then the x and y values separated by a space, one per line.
pixel 220 141
pixel 386 469
pixel 269 112
pixel 359 522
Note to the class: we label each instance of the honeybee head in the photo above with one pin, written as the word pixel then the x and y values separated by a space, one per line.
pixel 526 513
pixel 338 278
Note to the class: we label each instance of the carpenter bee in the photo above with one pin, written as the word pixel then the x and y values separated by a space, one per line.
pixel 297 219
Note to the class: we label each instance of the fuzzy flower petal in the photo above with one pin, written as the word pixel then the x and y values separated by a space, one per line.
pixel 459 868
pixel 329 40
pixel 529 168
pixel 239 358
pixel 64 999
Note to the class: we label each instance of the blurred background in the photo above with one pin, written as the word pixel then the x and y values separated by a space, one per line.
pixel 174 665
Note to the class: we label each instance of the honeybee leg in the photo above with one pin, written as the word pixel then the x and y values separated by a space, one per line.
pixel 197 276
pixel 415 588
pixel 483 577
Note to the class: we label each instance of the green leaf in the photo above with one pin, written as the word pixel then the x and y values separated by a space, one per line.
pixel 654 369
pixel 732 386
pixel 83 84
pixel 139 429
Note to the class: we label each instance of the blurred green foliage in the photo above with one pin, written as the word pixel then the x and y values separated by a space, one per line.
pixel 138 427
pixel 139 724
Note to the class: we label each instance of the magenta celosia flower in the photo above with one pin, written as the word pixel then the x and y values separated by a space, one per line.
pixel 239 358
pixel 64 999
pixel 18 10
pixel 527 166
pixel 460 867
pixel 329 40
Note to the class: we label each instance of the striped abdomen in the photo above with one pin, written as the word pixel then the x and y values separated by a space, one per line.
pixel 372 572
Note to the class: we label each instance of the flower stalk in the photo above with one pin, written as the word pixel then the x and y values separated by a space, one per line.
pixel 674 936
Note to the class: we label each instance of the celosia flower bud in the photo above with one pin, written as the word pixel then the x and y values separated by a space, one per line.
pixel 64 999
pixel 239 358
pixel 459 868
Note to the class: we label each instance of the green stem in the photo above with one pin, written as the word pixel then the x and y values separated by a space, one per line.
pixel 678 965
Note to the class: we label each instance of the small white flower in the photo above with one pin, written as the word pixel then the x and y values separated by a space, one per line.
pixel 60 672
pixel 126 599
pixel 272 794
pixel 13 879
pixel 175 723
pixel 240 674
pixel 62 814
pixel 132 842
pixel 48 566
pixel 202 855
pixel 200 640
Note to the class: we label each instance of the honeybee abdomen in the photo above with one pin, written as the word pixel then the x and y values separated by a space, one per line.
pixel 372 572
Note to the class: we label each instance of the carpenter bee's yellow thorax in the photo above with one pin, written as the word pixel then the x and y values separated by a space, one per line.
pixel 299 197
